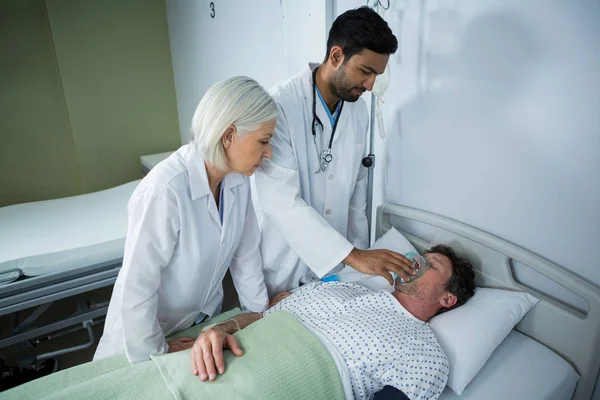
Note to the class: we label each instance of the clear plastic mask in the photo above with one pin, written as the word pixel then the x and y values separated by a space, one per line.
pixel 420 264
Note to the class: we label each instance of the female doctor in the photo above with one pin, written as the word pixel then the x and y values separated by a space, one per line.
pixel 190 219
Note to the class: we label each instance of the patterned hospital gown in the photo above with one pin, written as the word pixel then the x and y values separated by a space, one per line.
pixel 381 343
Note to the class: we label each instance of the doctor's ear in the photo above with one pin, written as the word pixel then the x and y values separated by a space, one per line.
pixel 336 56
pixel 229 136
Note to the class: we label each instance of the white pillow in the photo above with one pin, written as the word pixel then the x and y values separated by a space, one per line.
pixel 470 333
pixel 392 240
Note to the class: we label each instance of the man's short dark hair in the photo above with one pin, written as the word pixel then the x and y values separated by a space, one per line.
pixel 462 281
pixel 359 29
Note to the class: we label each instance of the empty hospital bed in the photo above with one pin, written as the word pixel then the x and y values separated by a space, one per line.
pixel 55 249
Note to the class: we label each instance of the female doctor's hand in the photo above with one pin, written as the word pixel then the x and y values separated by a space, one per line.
pixel 207 353
pixel 380 262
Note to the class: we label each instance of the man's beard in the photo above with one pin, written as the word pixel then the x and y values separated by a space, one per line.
pixel 341 88
pixel 413 290
pixel 409 288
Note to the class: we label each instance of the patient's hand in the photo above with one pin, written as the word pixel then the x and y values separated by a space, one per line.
pixel 207 353
pixel 180 344
pixel 278 297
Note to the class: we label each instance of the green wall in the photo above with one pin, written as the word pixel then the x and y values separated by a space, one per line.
pixel 115 65
pixel 37 154
pixel 90 90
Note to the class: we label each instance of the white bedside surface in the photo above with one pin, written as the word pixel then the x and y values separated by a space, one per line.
pixel 149 161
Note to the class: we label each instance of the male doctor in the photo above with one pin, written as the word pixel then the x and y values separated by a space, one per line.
pixel 311 196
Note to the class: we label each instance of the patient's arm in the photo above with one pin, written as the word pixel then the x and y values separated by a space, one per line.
pixel 207 351
pixel 180 344
pixel 278 297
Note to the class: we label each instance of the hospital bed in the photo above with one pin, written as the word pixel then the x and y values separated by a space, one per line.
pixel 537 359
pixel 552 354
pixel 56 249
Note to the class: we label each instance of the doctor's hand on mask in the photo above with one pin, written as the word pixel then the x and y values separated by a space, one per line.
pixel 380 262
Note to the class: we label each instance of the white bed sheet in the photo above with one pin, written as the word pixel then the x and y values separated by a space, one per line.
pixel 54 235
pixel 520 368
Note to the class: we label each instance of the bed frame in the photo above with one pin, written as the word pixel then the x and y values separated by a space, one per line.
pixel 42 291
pixel 82 266
pixel 570 332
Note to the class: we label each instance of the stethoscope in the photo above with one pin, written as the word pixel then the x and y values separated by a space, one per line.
pixel 324 157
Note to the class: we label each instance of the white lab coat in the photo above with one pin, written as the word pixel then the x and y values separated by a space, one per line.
pixel 176 255
pixel 310 222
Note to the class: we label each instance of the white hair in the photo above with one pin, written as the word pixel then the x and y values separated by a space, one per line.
pixel 239 101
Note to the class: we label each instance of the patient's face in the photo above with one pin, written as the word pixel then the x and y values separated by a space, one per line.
pixel 431 286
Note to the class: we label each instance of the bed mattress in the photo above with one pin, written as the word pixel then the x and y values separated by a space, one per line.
pixel 520 368
pixel 44 237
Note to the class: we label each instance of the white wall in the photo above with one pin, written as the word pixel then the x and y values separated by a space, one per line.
pixel 267 40
pixel 505 133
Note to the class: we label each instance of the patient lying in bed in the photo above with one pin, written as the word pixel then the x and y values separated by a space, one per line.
pixel 377 339
pixel 326 341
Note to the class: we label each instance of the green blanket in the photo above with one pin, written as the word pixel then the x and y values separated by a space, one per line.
pixel 282 360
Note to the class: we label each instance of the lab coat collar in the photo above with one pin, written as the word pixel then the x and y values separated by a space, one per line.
pixel 306 78
pixel 233 180
pixel 307 89
pixel 197 172
pixel 199 179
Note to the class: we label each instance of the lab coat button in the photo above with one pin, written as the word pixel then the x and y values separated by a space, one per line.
pixel 330 177
pixel 328 211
